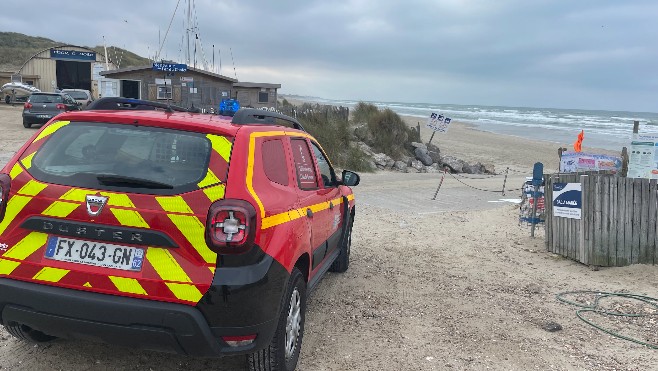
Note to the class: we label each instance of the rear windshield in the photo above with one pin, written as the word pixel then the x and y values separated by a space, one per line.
pixel 123 158
pixel 77 94
pixel 45 98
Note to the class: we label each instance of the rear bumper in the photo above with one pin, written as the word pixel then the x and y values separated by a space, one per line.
pixel 140 323
pixel 32 118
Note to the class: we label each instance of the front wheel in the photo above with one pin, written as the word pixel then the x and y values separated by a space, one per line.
pixel 283 351
pixel 342 262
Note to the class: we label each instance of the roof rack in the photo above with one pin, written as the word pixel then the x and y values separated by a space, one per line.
pixel 247 116
pixel 119 103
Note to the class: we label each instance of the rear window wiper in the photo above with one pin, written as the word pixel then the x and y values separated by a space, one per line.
pixel 127 181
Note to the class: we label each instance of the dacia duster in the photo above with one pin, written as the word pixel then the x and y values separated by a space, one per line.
pixel 171 231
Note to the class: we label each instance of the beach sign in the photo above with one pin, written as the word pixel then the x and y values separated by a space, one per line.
pixel 567 200
pixel 574 162
pixel 643 157
pixel 438 122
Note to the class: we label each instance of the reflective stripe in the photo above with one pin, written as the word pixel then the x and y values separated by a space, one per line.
pixel 14 206
pixel 212 269
pixel 115 199
pixel 60 209
pixel 185 291
pixel 215 193
pixel 165 265
pixel 281 218
pixel 15 171
pixel 87 284
pixel 350 197
pixel 27 161
pixel 50 274
pixel 27 246
pixel 32 188
pixel 8 266
pixel 194 232
pixel 129 218
pixel 209 179
pixel 75 194
pixel 51 129
pixel 174 204
pixel 129 285
pixel 221 145
pixel 250 165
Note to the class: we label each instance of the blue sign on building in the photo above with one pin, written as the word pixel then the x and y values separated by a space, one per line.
pixel 169 67
pixel 74 55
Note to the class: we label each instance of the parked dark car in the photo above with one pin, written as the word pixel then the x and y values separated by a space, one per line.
pixel 41 107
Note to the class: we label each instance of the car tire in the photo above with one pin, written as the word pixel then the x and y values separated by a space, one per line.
pixel 26 124
pixel 342 262
pixel 24 333
pixel 7 99
pixel 283 351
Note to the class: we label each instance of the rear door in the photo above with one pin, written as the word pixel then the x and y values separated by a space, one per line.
pixel 115 209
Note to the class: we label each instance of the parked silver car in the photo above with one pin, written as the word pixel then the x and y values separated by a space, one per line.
pixel 81 96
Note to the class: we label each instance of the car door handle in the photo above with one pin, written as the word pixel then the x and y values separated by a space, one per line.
pixel 331 205
pixel 309 213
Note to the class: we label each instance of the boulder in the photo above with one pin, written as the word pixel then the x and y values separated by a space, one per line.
pixel 434 153
pixel 432 169
pixel 412 170
pixel 416 164
pixel 489 169
pixel 390 163
pixel 363 133
pixel 383 161
pixel 456 165
pixel 433 147
pixel 366 149
pixel 423 156
pixel 400 166
pixel 418 145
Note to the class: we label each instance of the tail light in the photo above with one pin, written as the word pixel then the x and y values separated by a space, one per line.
pixel 60 106
pixel 5 183
pixel 239 341
pixel 231 226
pixel 27 105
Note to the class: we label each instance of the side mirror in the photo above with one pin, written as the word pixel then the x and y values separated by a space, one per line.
pixel 350 178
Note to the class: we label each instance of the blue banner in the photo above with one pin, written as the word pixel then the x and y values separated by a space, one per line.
pixel 75 55
pixel 169 67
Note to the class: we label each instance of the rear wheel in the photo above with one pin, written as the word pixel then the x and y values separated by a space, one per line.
pixel 7 99
pixel 283 351
pixel 342 262
pixel 25 333
pixel 26 124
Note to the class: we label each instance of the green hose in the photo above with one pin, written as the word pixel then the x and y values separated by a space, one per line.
pixel 595 308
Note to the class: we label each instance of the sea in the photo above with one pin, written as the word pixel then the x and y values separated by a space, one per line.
pixel 609 130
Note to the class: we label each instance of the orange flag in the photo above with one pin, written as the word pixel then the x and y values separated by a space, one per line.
pixel 578 144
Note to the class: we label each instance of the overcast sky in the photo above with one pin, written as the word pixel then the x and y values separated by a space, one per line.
pixel 596 54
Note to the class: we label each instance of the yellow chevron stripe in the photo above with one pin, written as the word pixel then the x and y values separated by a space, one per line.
pixel 8 266
pixel 350 197
pixel 285 217
pixel 129 218
pixel 75 194
pixel 221 145
pixel 212 269
pixel 14 206
pixel 215 193
pixel 116 199
pixel 174 204
pixel 60 209
pixel 27 160
pixel 185 292
pixel 165 265
pixel 209 179
pixel 32 188
pixel 15 171
pixel 27 246
pixel 50 274
pixel 87 284
pixel 129 285
pixel 51 129
pixel 193 230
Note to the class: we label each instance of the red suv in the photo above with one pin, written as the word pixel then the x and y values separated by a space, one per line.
pixel 171 231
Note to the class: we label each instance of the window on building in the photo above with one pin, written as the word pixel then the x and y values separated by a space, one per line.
pixel 274 161
pixel 29 82
pixel 164 92
pixel 263 97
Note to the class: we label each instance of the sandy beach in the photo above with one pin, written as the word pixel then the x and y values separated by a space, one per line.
pixel 448 284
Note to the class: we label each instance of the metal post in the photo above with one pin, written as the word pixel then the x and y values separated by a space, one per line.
pixel 505 180
pixel 441 182
pixel 432 137
pixel 534 212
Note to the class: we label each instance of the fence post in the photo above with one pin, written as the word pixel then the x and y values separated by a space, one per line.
pixel 441 182
pixel 505 181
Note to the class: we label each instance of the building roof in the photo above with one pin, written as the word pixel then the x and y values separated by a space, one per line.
pixel 256 85
pixel 111 73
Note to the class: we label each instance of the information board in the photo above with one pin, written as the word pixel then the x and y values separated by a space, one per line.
pixel 567 200
pixel 643 157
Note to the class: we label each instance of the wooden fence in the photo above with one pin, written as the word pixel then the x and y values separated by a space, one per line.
pixel 617 225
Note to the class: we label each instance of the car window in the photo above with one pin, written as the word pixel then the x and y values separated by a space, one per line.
pixel 68 99
pixel 274 161
pixel 304 166
pixel 78 153
pixel 77 94
pixel 326 172
pixel 45 98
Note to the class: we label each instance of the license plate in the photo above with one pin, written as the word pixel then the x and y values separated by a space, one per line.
pixel 43 116
pixel 99 254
